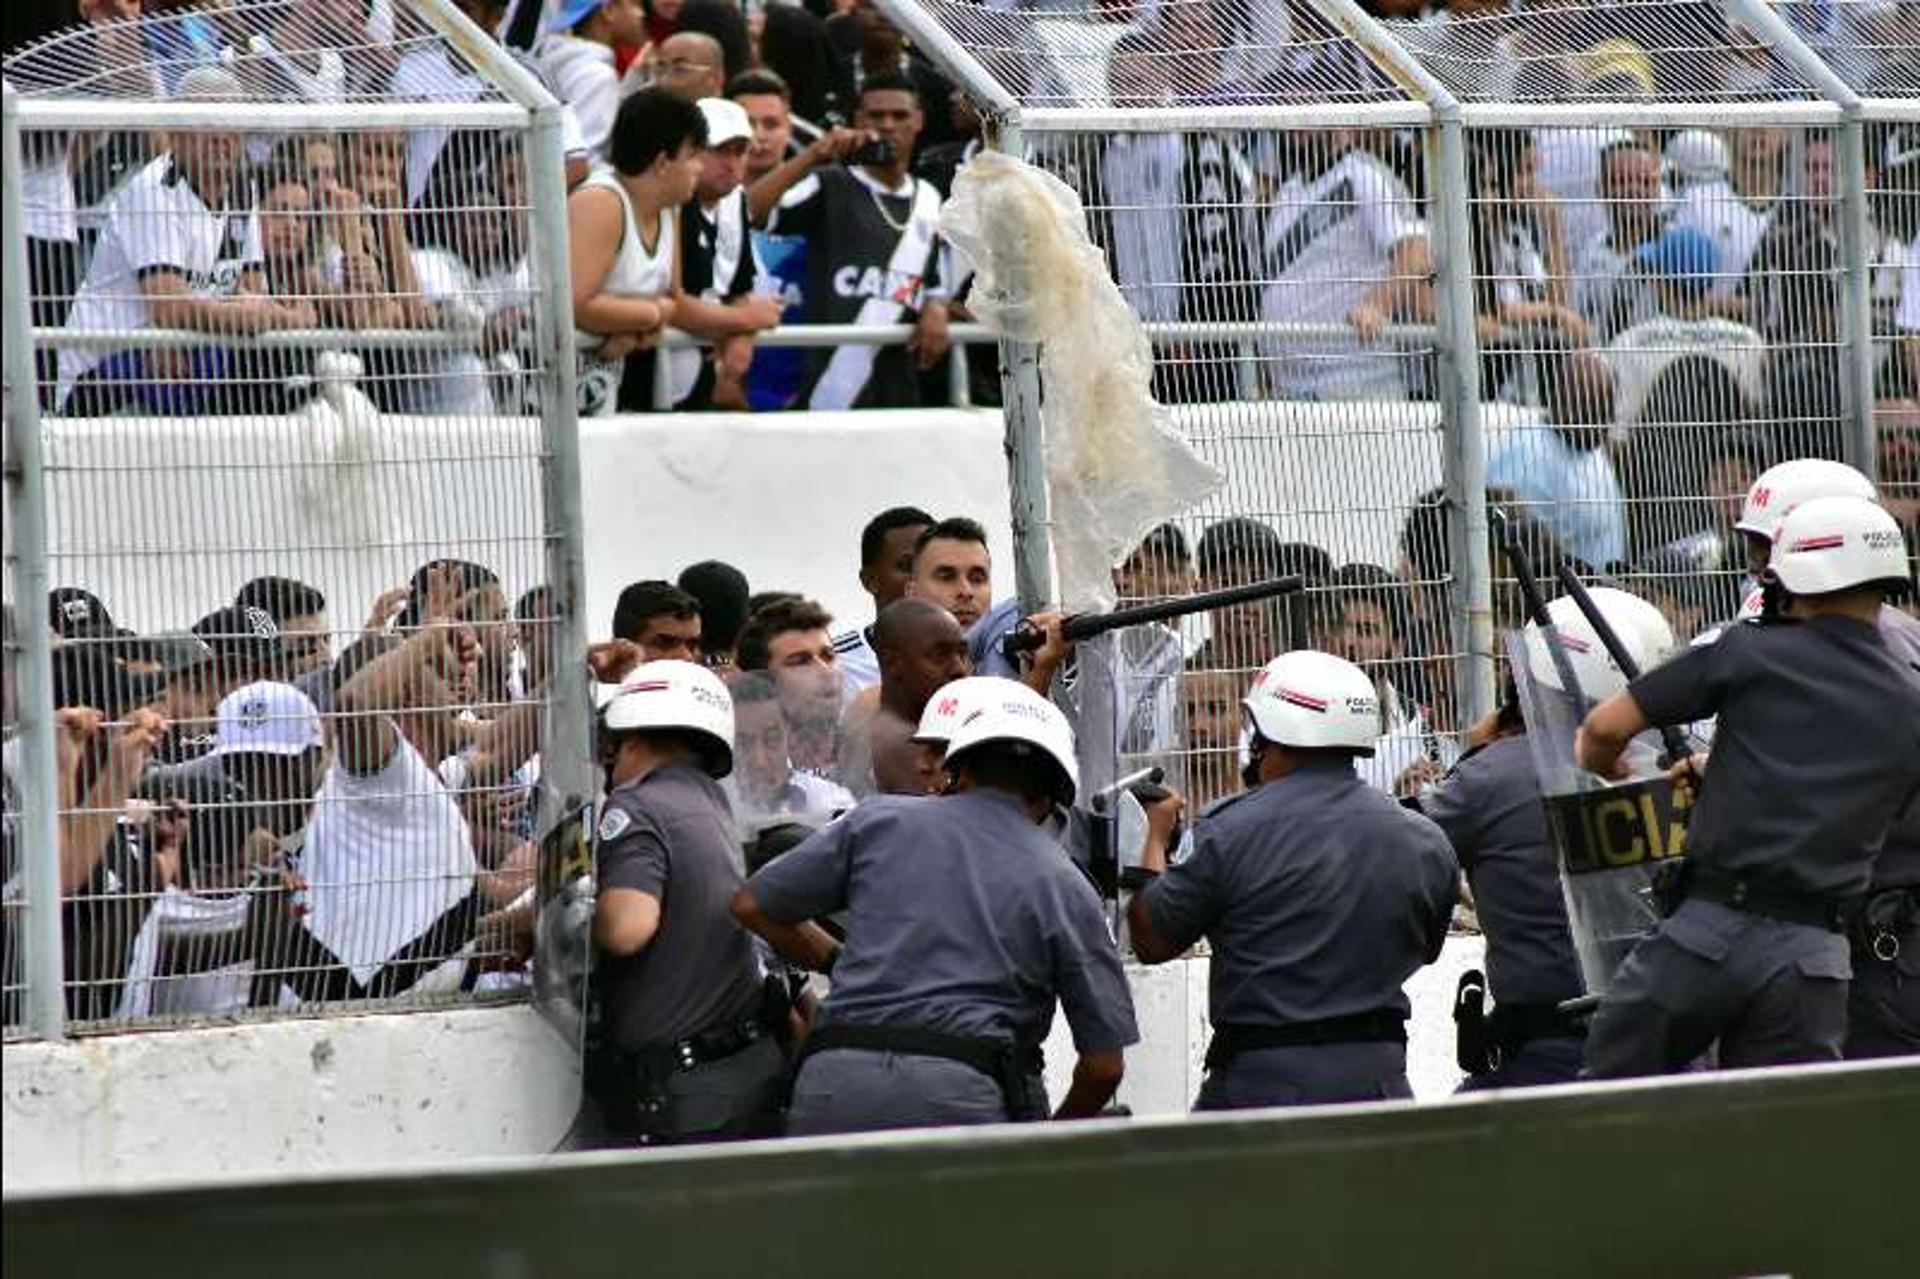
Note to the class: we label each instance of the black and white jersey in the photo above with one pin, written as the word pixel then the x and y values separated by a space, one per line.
pixel 873 257
pixel 717 262
pixel 859 664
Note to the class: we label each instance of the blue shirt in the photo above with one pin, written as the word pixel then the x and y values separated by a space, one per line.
pixel 1578 494
pixel 962 917
pixel 1320 895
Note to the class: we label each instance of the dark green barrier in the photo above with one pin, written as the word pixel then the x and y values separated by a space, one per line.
pixel 1802 1172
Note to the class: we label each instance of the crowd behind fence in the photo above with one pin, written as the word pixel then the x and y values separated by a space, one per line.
pixel 293 271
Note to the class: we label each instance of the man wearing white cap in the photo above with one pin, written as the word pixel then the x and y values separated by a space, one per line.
pixel 267 738
pixel 718 269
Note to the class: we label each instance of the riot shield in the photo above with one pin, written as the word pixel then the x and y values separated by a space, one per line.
pixel 1609 838
pixel 563 924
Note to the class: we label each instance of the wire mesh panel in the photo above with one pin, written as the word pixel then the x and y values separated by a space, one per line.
pixel 1553 51
pixel 291 371
pixel 1187 52
pixel 1283 277
pixel 1893 199
pixel 1663 307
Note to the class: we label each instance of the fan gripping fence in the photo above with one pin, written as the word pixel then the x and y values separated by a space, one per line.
pixel 292 511
pixel 1597 264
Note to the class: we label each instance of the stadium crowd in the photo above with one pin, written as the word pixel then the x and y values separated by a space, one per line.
pixel 271 808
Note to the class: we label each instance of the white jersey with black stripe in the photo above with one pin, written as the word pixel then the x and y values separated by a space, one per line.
pixel 859 664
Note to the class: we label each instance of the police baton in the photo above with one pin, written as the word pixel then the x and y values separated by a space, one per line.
pixel 1085 626
pixel 1672 738
pixel 1522 565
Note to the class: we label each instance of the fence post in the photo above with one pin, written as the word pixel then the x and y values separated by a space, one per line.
pixel 1856 234
pixel 1026 448
pixel 566 753
pixel 27 531
pixel 1458 346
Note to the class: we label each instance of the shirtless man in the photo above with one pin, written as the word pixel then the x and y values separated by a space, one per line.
pixel 921 648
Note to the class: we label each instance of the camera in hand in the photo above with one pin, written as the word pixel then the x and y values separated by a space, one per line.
pixel 876 151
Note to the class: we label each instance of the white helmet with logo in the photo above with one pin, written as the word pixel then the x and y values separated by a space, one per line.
pixel 1836 544
pixel 674 695
pixel 1782 488
pixel 1698 155
pixel 1642 628
pixel 945 708
pixel 1309 699
pixel 1006 712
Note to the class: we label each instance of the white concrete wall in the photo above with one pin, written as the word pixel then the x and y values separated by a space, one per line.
pixel 223 500
pixel 434 1089
pixel 1165 1068
pixel 346 1094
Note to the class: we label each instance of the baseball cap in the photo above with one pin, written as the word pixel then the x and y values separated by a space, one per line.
pixel 175 652
pixel 266 718
pixel 726 121
pixel 1683 255
pixel 240 636
pixel 74 613
pixel 569 14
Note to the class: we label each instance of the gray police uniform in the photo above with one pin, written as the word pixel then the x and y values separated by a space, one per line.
pixel 1817 750
pixel 1490 808
pixel 1320 896
pixel 964 925
pixel 1883 1006
pixel 685 1013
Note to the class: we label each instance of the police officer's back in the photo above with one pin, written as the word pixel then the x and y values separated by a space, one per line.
pixel 1319 895
pixel 964 926
pixel 1816 752
pixel 1490 808
pixel 694 1055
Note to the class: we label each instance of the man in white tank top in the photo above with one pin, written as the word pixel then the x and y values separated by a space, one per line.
pixel 623 225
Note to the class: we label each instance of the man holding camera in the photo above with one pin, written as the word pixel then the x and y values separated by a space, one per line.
pixel 873 248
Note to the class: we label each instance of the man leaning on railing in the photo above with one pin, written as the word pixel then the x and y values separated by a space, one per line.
pixel 173 257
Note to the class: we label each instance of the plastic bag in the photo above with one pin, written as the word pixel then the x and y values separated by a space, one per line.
pixel 1116 465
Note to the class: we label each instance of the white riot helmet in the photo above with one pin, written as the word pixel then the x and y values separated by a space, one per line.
pixel 1310 700
pixel 674 695
pixel 1643 629
pixel 1007 713
pixel 1836 544
pixel 1780 489
pixel 945 708
pixel 1698 155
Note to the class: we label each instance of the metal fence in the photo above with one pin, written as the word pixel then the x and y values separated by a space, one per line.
pixel 293 527
pixel 1595 265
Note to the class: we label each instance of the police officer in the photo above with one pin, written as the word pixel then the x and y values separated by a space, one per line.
pixel 1320 895
pixel 1489 806
pixel 964 926
pixel 1883 1012
pixel 1817 750
pixel 685 1014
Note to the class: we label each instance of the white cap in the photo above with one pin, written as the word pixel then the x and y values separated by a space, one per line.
pixel 1782 488
pixel 1309 699
pixel 675 694
pixel 944 708
pixel 1008 713
pixel 266 718
pixel 1642 628
pixel 726 121
pixel 1698 155
pixel 1836 543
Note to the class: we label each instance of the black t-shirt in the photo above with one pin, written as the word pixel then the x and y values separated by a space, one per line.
pixel 873 257
pixel 1816 752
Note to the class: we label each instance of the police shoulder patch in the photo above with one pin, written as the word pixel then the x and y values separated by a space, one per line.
pixel 612 822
